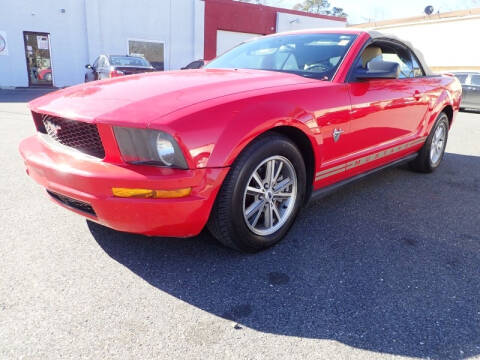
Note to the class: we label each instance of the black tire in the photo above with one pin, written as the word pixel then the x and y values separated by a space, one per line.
pixel 227 223
pixel 423 162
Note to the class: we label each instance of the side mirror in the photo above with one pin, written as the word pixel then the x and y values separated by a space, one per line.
pixel 379 69
pixel 88 66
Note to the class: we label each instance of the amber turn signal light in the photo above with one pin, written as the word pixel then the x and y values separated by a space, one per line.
pixel 150 194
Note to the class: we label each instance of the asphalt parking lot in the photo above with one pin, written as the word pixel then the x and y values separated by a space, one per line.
pixel 385 268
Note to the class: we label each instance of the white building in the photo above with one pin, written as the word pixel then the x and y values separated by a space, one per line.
pixel 48 43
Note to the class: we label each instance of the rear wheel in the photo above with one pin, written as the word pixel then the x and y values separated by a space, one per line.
pixel 431 154
pixel 261 196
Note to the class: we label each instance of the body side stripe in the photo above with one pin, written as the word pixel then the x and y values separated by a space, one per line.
pixel 366 159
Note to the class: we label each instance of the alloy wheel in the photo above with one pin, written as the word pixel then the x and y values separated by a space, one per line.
pixel 270 194
pixel 438 143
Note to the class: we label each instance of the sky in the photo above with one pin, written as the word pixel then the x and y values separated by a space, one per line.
pixel 360 11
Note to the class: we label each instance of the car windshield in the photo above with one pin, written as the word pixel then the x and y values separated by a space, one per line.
pixel 128 61
pixel 311 55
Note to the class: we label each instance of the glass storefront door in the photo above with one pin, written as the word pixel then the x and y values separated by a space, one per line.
pixel 37 53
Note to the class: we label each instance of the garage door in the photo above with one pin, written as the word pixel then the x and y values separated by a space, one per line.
pixel 229 39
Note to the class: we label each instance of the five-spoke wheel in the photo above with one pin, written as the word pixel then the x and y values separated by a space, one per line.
pixel 431 154
pixel 438 143
pixel 261 195
pixel 269 196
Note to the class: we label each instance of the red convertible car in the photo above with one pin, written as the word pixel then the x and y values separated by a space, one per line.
pixel 242 144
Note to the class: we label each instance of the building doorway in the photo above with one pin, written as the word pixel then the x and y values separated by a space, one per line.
pixel 37 54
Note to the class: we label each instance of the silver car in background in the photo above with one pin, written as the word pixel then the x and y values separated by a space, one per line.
pixel 471 89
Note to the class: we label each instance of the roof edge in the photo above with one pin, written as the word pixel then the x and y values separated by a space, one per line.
pixel 284 10
pixel 407 20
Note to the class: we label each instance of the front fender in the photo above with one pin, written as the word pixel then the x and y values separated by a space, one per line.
pixel 254 120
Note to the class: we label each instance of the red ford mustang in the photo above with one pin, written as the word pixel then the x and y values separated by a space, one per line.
pixel 243 143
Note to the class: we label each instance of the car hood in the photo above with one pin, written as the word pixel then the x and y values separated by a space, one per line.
pixel 138 100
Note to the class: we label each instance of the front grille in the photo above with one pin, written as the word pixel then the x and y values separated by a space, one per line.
pixel 79 135
pixel 73 203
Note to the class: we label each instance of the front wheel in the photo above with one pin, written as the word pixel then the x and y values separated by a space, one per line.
pixel 431 154
pixel 261 196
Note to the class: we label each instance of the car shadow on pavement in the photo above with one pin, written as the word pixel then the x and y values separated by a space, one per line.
pixel 390 264
pixel 471 111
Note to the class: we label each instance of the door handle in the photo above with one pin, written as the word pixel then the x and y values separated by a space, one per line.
pixel 417 95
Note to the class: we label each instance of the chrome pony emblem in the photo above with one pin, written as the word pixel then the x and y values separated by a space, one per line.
pixel 336 134
pixel 52 128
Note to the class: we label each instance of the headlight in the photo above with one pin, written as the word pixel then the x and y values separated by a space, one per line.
pixel 149 147
pixel 165 149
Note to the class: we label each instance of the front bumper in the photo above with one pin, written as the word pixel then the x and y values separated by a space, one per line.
pixel 91 181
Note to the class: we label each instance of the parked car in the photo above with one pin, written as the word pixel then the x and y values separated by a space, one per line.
pixel 109 66
pixel 45 74
pixel 242 144
pixel 471 89
pixel 197 64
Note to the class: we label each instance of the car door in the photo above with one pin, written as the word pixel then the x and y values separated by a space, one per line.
pixel 101 70
pixel 474 91
pixel 386 112
pixel 95 68
pixel 98 68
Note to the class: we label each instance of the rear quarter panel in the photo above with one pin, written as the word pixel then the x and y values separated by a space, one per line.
pixel 442 91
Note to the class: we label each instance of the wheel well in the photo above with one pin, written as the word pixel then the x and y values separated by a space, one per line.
pixel 449 111
pixel 305 147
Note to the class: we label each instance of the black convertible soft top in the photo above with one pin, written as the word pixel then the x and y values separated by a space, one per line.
pixel 377 35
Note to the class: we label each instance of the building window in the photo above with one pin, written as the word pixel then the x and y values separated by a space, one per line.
pixel 153 51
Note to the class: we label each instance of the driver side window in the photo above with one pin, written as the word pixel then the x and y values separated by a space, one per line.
pixel 392 53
